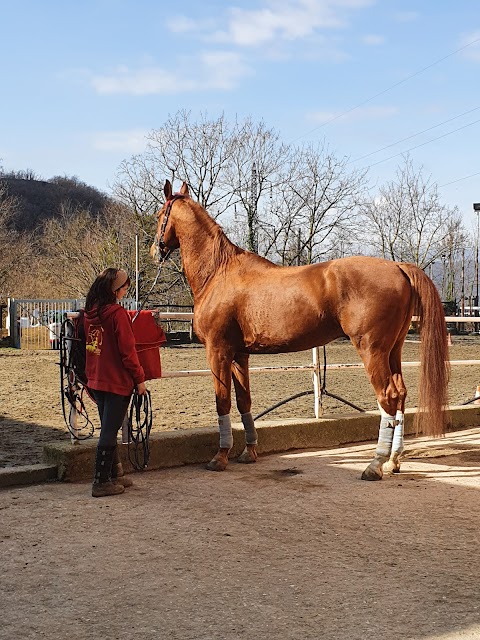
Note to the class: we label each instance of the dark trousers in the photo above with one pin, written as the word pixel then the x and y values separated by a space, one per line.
pixel 111 409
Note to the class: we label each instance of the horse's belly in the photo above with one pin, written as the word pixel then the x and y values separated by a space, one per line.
pixel 291 334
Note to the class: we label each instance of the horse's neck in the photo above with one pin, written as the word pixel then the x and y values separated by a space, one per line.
pixel 199 238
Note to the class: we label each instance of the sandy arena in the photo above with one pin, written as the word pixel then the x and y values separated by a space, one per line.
pixel 30 409
pixel 294 547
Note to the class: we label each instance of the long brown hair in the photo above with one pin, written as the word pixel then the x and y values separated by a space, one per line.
pixel 100 293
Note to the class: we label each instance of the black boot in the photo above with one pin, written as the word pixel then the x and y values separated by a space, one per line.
pixel 118 475
pixel 102 482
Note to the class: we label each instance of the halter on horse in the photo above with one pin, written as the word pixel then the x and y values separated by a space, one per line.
pixel 246 304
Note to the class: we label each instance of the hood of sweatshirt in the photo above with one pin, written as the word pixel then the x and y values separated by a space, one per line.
pixel 105 313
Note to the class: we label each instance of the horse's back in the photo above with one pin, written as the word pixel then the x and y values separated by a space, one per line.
pixel 263 307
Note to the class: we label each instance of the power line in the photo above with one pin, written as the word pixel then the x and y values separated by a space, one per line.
pixel 414 135
pixel 472 175
pixel 380 93
pixel 424 143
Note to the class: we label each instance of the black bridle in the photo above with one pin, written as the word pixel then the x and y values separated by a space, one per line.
pixel 162 248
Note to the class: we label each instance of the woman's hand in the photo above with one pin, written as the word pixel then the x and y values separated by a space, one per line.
pixel 141 389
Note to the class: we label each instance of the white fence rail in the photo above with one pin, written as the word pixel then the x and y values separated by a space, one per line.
pixel 42 319
pixel 315 367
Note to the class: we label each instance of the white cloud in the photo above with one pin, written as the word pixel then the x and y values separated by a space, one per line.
pixel 209 70
pixel 132 141
pixel 277 22
pixel 222 69
pixel 182 24
pixel 150 80
pixel 361 113
pixel 284 19
pixel 472 51
pixel 373 40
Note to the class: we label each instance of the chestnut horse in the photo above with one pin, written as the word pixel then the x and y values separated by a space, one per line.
pixel 246 304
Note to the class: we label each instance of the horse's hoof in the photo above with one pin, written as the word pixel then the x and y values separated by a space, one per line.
pixel 247 457
pixel 389 468
pixel 216 465
pixel 371 474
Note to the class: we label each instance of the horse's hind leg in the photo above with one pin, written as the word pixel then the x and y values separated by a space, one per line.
pixel 379 372
pixel 393 464
pixel 241 382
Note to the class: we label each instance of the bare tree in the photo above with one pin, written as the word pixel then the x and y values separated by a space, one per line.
pixel 181 150
pixel 15 248
pixel 408 222
pixel 82 245
pixel 318 201
pixel 254 173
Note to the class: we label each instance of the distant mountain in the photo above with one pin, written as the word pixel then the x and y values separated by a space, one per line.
pixel 39 200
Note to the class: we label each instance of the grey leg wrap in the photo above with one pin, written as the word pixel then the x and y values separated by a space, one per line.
pixel 226 435
pixel 249 426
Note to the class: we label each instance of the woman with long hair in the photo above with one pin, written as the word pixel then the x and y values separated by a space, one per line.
pixel 113 370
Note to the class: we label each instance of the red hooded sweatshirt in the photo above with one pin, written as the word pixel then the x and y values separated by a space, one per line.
pixel 112 360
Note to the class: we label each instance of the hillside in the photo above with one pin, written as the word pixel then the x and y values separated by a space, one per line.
pixel 39 200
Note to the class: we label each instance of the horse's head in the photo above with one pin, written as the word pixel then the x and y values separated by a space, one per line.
pixel 165 238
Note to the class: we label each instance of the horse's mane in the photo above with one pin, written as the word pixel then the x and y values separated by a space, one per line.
pixel 223 250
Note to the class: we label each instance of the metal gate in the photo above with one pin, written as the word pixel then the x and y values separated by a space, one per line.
pixel 35 324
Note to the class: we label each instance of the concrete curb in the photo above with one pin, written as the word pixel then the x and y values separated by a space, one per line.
pixel 28 474
pixel 197 446
pixel 73 463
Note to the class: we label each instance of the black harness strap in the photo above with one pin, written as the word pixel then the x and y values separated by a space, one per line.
pixel 161 246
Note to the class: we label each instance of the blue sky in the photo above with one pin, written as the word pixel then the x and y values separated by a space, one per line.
pixel 83 82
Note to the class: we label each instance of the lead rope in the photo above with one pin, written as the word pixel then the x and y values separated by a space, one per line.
pixel 139 424
pixel 144 301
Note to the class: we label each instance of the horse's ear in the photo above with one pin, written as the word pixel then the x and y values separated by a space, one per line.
pixel 184 190
pixel 167 190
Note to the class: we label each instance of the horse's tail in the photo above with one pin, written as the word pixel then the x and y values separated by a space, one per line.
pixel 432 415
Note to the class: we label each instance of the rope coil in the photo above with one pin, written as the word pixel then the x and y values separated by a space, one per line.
pixel 72 383
pixel 139 423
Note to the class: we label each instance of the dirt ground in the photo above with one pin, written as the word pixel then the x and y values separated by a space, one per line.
pixel 293 547
pixel 30 408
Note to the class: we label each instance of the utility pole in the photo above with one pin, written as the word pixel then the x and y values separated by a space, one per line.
pixel 476 208
pixel 252 238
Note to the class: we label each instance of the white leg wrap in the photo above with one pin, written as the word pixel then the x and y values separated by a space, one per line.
pixel 385 434
pixel 384 414
pixel 226 435
pixel 397 446
pixel 249 426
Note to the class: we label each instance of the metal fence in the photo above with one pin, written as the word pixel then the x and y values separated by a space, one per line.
pixel 35 324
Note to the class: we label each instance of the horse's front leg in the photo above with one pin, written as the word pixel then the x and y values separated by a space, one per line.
pixel 241 381
pixel 221 367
